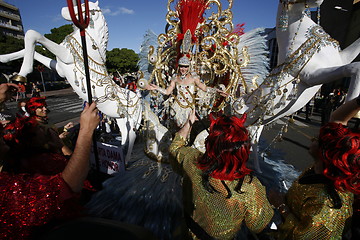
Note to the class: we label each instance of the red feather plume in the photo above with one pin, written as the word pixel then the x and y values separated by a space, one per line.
pixel 190 13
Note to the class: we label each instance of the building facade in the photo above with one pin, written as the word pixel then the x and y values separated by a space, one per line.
pixel 341 19
pixel 10 20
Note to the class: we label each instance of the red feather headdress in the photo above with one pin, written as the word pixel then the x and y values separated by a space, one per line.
pixel 190 13
pixel 34 103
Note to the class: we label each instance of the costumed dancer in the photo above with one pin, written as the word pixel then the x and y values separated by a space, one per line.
pixel 185 83
pixel 319 203
pixel 180 78
pixel 219 191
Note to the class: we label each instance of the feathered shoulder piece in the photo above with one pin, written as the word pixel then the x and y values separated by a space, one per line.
pixel 253 57
pixel 147 55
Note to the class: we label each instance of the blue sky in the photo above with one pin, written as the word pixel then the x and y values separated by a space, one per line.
pixel 129 19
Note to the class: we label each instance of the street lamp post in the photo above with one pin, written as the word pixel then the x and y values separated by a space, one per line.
pixel 40 68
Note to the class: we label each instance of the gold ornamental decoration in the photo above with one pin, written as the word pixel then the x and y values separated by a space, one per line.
pixel 212 49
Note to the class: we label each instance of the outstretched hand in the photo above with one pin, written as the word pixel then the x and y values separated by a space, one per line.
pixel 69 125
pixel 7 90
pixel 222 93
pixel 151 87
pixel 89 118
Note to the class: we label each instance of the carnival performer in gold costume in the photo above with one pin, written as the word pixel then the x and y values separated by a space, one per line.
pixel 319 203
pixel 185 83
pixel 219 191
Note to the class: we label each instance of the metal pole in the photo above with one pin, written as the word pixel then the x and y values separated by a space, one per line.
pixel 86 64
pixel 42 79
pixel 82 24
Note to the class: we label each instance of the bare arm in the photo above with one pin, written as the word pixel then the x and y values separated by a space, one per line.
pixel 170 88
pixel 345 112
pixel 166 91
pixel 77 169
pixel 204 88
pixel 199 84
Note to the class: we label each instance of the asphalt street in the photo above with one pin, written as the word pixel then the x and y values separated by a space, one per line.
pixel 292 146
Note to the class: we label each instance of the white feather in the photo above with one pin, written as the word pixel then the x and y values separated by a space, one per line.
pixel 256 43
pixel 150 39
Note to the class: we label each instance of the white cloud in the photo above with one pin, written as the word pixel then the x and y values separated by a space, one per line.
pixel 126 11
pixel 106 11
pixel 121 10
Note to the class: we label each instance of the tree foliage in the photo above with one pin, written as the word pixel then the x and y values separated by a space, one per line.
pixel 10 44
pixel 122 60
pixel 57 35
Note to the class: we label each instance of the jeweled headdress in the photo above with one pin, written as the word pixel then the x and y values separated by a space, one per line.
pixel 184 61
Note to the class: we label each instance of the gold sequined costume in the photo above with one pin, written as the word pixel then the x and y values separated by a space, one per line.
pixel 311 213
pixel 218 216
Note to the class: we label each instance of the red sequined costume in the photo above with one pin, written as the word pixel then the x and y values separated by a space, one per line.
pixel 32 191
pixel 28 201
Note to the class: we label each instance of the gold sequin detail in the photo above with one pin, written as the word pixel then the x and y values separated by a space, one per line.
pixel 218 216
pixel 312 215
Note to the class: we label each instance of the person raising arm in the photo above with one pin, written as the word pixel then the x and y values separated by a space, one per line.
pixel 77 169
pixel 320 202
pixel 220 193
pixel 28 200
